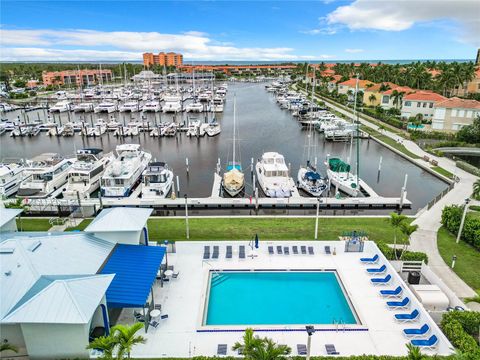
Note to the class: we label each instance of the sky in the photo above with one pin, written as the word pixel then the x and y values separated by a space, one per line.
pixel 239 30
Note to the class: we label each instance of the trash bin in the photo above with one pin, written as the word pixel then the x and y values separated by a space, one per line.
pixel 414 277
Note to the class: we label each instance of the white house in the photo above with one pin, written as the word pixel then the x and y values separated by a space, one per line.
pixel 454 113
pixel 420 102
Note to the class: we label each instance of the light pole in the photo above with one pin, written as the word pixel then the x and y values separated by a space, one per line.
pixel 310 331
pixel 166 252
pixel 454 258
pixel 467 200
pixel 186 217
pixel 316 218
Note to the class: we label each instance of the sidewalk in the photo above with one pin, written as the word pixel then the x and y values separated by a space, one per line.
pixel 425 238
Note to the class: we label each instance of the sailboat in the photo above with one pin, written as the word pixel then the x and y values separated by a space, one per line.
pixel 233 181
pixel 308 179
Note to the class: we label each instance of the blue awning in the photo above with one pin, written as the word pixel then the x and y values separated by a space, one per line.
pixel 310 175
pixel 135 268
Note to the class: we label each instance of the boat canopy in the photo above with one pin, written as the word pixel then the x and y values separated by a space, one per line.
pixel 311 175
pixel 338 165
pixel 233 177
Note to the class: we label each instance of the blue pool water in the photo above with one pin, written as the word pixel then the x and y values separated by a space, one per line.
pixel 276 298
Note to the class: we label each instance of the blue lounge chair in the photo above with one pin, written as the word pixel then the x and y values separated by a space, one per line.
pixel 228 253
pixel 331 350
pixel 327 250
pixel 372 260
pixel 302 349
pixel 270 250
pixel 286 250
pixel 216 252
pixel 413 333
pixel 381 281
pixel 310 250
pixel 206 252
pixel 222 349
pixel 392 293
pixel 413 316
pixel 379 270
pixel 241 252
pixel 295 250
pixel 303 250
pixel 399 304
pixel 279 250
pixel 429 343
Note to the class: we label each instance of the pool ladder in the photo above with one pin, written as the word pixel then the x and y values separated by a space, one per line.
pixel 339 325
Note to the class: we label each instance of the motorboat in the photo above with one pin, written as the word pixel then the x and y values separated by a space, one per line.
pixel 339 175
pixel 105 106
pixel 204 96
pixel 273 176
pixel 169 130
pixel 43 175
pixel 130 106
pixel 11 175
pixel 152 106
pixel 125 171
pixel 194 107
pixel 172 104
pixel 56 131
pixel 121 131
pixel 85 174
pixel 113 125
pixel 193 128
pixel 98 130
pixel 157 180
pixel 132 129
pixel 61 106
pixel 217 104
pixel 213 129
pixel 233 180
pixel 83 107
pixel 68 130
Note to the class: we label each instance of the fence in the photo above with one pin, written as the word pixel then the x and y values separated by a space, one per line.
pixel 440 196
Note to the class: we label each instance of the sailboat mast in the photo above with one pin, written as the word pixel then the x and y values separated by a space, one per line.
pixel 355 119
pixel 234 121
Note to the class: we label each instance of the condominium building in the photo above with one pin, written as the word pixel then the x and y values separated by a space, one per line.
pixel 162 59
pixel 420 102
pixel 76 77
pixel 454 113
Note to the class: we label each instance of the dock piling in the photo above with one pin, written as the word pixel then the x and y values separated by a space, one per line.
pixel 251 165
pixel 178 186
pixel 186 164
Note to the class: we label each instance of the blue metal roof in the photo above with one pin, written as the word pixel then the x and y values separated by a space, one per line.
pixel 135 268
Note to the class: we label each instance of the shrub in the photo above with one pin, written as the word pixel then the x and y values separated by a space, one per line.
pixel 406 256
pixel 468 168
pixel 461 328
pixel 451 218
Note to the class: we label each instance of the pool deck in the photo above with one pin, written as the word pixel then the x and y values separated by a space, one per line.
pixel 183 300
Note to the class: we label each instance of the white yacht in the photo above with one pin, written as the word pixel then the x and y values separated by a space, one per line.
pixel 172 104
pixel 85 174
pixel 43 175
pixel 217 104
pixel 105 106
pixel 273 177
pixel 125 171
pixel 61 106
pixel 11 175
pixel 97 130
pixel 340 176
pixel 213 129
pixel 152 106
pixel 157 180
pixel 130 106
pixel 194 107
pixel 83 107
pixel 311 181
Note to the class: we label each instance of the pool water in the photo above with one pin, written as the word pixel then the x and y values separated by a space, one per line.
pixel 277 298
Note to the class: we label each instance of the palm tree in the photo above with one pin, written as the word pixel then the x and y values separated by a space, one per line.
pixel 106 344
pixel 414 353
pixel 397 97
pixel 6 346
pixel 269 350
pixel 407 230
pixel 476 190
pixel 396 220
pixel 372 98
pixel 127 338
pixel 250 342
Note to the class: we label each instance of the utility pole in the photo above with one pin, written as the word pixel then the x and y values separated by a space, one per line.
pixel 465 209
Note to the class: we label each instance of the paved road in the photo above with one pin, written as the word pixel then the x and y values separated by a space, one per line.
pixel 428 221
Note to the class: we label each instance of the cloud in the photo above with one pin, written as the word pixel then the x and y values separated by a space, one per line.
pixel 354 51
pixel 399 15
pixel 320 31
pixel 84 45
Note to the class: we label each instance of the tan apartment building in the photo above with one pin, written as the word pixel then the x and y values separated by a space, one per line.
pixel 472 87
pixel 454 113
pixel 372 95
pixel 162 59
pixel 420 102
pixel 76 77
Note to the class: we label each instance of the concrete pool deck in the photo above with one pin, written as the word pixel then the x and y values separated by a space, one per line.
pixel 183 300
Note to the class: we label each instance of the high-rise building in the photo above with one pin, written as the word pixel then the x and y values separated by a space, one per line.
pixel 162 59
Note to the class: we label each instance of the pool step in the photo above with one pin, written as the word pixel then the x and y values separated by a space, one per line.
pixel 218 279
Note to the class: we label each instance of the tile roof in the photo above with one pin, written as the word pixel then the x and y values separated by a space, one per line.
pixel 456 102
pixel 404 89
pixel 352 83
pixel 377 87
pixel 425 95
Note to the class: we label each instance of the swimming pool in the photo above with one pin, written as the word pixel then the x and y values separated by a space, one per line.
pixel 276 298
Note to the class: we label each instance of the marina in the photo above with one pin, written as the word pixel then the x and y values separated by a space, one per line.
pixel 196 158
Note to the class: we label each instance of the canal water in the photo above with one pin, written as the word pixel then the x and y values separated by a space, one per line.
pixel 262 126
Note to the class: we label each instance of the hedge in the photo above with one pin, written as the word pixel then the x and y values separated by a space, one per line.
pixel 461 328
pixel 407 255
pixel 468 167
pixel 451 218
pixel 385 118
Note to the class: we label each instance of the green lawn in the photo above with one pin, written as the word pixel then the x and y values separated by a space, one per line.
pixel 389 141
pixel 468 258
pixel 442 171
pixel 32 224
pixel 81 226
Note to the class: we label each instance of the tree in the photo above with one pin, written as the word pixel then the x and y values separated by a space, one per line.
pixel 470 133
pixel 414 353
pixel 407 230
pixel 256 348
pixel 476 190
pixel 396 220
pixel 127 338
pixel 7 346
pixel 106 344
pixel 372 98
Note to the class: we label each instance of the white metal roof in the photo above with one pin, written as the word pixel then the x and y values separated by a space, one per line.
pixel 62 301
pixel 24 260
pixel 8 214
pixel 120 219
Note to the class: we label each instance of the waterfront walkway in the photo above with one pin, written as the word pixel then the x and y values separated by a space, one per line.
pixel 428 221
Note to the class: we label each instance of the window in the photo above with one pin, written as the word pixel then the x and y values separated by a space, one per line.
pixel 461 113
pixel 385 99
pixel 431 105
pixel 469 114
pixel 418 104
pixel 424 104
pixel 408 103
pixel 454 112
